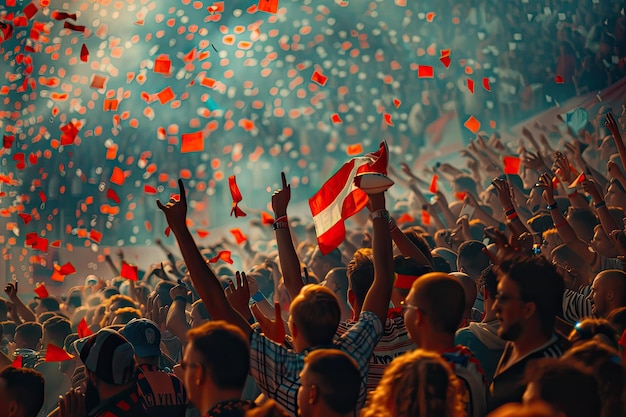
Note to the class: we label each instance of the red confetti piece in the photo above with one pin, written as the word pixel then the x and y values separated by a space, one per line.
pixel 266 218
pixel 472 124
pixel 202 233
pixel 460 196
pixel 42 196
pixel 580 178
pixel 166 95
pixel 112 195
pixel 57 15
pixel 67 269
pixel 430 16
pixel 236 196
pixel 269 6
pixel 239 236
pixel 70 26
pixel 41 291
pixel 224 255
pixel 148 189
pixel 7 141
pixel 433 184
pixel 56 354
pixel 511 165
pixel 486 85
pixel 317 77
pixel 559 79
pixel 396 102
pixel 192 142
pixel 95 235
pixel 425 218
pixel 84 53
pixel 30 10
pixel 470 85
pixel 162 65
pixel 388 120
pixel 129 271
pixel 425 71
pixel 168 231
pixel 117 177
pixel 356 149
pixel 336 118
pixel 83 329
pixel 26 218
pixel 17 362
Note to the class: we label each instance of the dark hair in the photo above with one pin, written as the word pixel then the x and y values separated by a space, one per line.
pixel 50 303
pixel 419 240
pixel 361 273
pixel 617 318
pixel 472 258
pixel 489 278
pixel 31 332
pixel 540 222
pixel 566 386
pixel 225 352
pixel 441 297
pixel 45 316
pixel 441 265
pixel 57 328
pixel 339 378
pixel 26 387
pixel 3 309
pixel 8 328
pixel 316 313
pixel 540 283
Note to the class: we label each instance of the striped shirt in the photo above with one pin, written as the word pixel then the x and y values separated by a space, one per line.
pixel 277 369
pixel 394 342
pixel 509 383
pixel 576 305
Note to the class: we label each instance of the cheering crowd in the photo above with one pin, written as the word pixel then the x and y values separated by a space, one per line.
pixel 504 296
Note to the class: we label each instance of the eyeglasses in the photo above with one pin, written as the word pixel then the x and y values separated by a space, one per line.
pixel 184 365
pixel 503 299
pixel 406 306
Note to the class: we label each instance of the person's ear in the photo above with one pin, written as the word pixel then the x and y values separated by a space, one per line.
pixel 610 295
pixel 529 309
pixel 313 394
pixel 13 408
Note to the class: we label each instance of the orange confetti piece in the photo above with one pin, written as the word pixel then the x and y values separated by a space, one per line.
pixel 162 65
pixel 166 95
pixel 355 149
pixel 269 6
pixel 472 124
pixel 192 142
pixel 117 177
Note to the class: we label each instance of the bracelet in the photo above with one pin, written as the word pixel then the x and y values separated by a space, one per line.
pixel 552 206
pixel 280 225
pixel 380 214
pixel 281 219
pixel 600 205
pixel 509 209
pixel 180 298
pixel 510 212
pixel 563 223
pixel 392 225
pixel 512 217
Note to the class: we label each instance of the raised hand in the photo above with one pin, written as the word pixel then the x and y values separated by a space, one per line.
pixel 407 170
pixel 179 290
pixel 545 182
pixel 176 209
pixel 11 290
pixel 504 192
pixel 564 172
pixel 611 124
pixel 273 329
pixel 280 198
pixel 239 296
pixel 590 187
pixel 614 170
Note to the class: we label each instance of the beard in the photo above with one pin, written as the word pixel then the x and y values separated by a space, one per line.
pixel 512 333
pixel 92 396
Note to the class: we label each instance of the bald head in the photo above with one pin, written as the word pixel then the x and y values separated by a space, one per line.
pixel 609 291
pixel 469 288
pixel 442 299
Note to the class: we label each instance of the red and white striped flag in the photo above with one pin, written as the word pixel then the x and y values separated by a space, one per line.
pixel 339 199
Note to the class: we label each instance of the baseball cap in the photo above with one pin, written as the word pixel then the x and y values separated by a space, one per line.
pixel 108 355
pixel 144 335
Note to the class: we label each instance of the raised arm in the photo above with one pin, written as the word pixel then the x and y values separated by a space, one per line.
pixel 613 127
pixel 566 232
pixel 23 311
pixel 176 321
pixel 289 262
pixel 203 278
pixel 377 298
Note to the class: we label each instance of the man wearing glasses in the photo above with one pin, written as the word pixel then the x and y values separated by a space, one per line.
pixel 529 297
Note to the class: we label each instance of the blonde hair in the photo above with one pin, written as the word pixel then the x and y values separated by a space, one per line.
pixel 419 384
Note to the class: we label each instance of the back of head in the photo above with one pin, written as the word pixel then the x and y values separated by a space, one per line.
pixel 407 271
pixel 337 378
pixel 145 336
pixel 540 283
pixel 489 281
pixel 469 288
pixel 49 304
pixel 471 258
pixel 361 273
pixel 441 299
pixel 604 362
pixel 56 330
pixel 25 387
pixel 29 335
pixel 125 314
pixel 566 386
pixel 316 313
pixel 599 330
pixel 421 242
pixel 225 352
pixel 449 255
pixel 440 264
pixel 418 383
pixel 108 356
